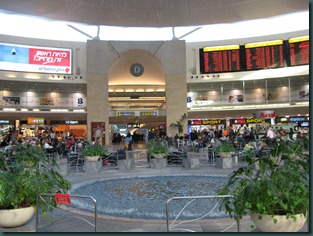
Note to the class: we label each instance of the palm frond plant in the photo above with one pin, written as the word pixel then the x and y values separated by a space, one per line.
pixel 179 124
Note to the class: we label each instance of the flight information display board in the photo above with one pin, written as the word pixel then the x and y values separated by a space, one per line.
pixel 263 55
pixel 220 59
pixel 299 49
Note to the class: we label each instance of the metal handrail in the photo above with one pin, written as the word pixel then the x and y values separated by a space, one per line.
pixel 41 197
pixel 192 199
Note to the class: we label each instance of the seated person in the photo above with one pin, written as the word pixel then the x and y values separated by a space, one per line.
pixel 241 141
pixel 248 148
pixel 263 149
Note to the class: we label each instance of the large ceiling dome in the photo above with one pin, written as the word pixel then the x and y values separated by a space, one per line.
pixel 153 13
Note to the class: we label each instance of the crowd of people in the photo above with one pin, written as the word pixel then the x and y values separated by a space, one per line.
pixel 243 137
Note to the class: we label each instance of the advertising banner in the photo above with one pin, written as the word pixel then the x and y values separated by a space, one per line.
pixel 27 58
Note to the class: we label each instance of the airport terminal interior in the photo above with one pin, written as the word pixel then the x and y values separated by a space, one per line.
pixel 123 73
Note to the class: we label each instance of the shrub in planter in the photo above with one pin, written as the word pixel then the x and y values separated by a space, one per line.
pixel 279 187
pixel 28 174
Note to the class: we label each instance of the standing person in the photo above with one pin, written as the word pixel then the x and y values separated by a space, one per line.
pixel 271 135
pixel 129 142
pixel 291 134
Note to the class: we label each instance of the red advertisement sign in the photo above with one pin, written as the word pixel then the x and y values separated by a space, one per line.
pixel 41 56
pixel 62 198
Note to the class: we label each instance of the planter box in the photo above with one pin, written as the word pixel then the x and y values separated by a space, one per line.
pixel 158 163
pixel 92 166
pixel 224 163
pixel 283 224
pixel 126 164
pixel 191 163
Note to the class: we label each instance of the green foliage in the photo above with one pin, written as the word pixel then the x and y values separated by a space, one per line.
pixel 225 147
pixel 94 150
pixel 179 124
pixel 157 147
pixel 27 174
pixel 279 187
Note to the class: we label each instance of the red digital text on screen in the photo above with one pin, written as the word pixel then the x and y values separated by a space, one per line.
pixel 49 57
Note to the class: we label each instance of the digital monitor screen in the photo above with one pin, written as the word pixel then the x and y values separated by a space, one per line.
pixel 220 59
pixel 264 55
pixel 299 49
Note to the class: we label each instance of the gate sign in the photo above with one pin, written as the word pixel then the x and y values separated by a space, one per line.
pixel 62 198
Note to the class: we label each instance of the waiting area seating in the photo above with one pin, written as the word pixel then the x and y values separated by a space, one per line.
pixel 176 158
pixel 111 161
pixel 75 162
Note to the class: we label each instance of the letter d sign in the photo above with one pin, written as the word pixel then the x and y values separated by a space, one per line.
pixel 136 69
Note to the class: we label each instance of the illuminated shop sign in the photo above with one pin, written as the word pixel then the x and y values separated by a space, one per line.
pixel 296 119
pixel 265 114
pixel 71 122
pixel 36 121
pixel 4 121
pixel 247 121
pixel 292 119
pixel 28 58
pixel 206 122
pixel 254 120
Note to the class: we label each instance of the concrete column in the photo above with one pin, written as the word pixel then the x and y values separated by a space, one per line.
pixel 172 54
pixel 100 56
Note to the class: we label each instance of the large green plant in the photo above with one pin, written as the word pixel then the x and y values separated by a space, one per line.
pixel 94 150
pixel 225 147
pixel 279 187
pixel 27 174
pixel 157 147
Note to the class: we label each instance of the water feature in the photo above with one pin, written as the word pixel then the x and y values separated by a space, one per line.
pixel 145 197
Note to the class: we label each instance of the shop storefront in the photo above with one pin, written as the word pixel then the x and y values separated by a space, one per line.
pixel 295 122
pixel 67 127
pixel 200 125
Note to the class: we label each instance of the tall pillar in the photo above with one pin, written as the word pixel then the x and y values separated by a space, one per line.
pixel 172 54
pixel 100 56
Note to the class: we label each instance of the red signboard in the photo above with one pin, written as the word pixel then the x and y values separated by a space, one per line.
pixel 62 198
pixel 41 56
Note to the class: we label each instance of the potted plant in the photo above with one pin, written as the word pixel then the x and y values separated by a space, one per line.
pixel 278 190
pixel 21 183
pixel 157 149
pixel 225 149
pixel 180 124
pixel 93 151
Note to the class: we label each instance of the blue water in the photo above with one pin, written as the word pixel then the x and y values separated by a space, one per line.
pixel 145 197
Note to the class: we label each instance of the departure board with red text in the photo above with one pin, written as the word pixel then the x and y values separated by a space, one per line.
pixel 220 59
pixel 299 49
pixel 264 55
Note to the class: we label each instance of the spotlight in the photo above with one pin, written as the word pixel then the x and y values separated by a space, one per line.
pixel 192 77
